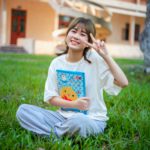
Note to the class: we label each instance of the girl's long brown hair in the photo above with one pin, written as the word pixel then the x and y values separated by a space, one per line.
pixel 89 27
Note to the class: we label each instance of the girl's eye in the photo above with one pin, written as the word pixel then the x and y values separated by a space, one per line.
pixel 82 34
pixel 73 31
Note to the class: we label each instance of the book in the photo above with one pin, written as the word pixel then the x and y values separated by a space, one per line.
pixel 71 86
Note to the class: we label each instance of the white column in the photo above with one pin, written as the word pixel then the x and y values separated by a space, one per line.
pixel 138 2
pixel 132 30
pixel 3 21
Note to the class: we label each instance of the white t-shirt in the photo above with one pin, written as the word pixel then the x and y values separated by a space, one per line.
pixel 98 77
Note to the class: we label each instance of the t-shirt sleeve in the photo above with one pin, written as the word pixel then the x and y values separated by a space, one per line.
pixel 51 84
pixel 107 78
pixel 107 83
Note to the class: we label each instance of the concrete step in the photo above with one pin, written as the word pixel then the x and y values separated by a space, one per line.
pixel 12 49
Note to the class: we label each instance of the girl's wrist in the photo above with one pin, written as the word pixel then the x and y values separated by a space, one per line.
pixel 107 57
pixel 70 104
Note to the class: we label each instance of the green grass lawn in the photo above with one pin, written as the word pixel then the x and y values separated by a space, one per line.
pixel 22 79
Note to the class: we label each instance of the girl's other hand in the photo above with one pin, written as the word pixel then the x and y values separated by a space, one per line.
pixel 82 103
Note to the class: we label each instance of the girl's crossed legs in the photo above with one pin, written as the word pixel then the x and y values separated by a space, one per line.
pixel 43 122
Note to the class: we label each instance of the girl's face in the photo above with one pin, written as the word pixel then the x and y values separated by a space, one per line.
pixel 74 35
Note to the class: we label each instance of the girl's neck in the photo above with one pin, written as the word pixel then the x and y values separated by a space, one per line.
pixel 74 55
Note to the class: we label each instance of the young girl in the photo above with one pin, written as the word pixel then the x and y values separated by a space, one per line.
pixel 84 54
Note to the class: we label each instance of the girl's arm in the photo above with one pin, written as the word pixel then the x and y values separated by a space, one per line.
pixel 120 78
pixel 81 103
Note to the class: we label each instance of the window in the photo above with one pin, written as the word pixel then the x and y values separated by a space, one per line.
pixel 125 32
pixel 64 21
pixel 22 25
pixel 137 32
pixel 14 25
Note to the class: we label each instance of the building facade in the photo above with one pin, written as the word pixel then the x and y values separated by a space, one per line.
pixel 39 25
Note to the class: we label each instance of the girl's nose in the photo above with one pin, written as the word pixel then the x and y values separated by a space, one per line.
pixel 76 36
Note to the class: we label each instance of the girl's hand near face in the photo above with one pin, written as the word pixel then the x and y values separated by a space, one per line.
pixel 98 45
pixel 120 78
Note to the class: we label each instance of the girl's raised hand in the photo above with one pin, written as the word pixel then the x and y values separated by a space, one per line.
pixel 98 45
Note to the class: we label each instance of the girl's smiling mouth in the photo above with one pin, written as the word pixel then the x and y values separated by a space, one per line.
pixel 75 42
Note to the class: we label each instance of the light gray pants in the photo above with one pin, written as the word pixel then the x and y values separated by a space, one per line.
pixel 44 122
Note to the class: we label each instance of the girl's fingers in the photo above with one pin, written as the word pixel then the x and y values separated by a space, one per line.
pixel 92 45
pixel 92 37
pixel 99 43
pixel 87 43
pixel 102 43
pixel 96 43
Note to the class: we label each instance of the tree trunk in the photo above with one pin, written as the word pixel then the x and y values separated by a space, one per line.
pixel 145 39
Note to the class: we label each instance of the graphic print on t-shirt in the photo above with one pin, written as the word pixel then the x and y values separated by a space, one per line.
pixel 71 86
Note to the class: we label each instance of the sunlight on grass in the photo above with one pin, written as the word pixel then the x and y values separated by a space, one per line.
pixel 22 79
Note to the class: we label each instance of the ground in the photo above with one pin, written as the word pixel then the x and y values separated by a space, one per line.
pixel 22 79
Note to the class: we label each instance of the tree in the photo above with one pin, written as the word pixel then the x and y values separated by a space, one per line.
pixel 145 40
